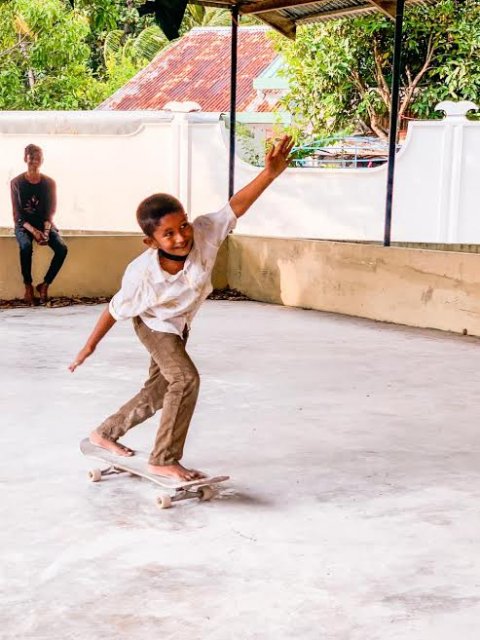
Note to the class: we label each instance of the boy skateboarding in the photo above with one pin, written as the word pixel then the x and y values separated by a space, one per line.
pixel 161 292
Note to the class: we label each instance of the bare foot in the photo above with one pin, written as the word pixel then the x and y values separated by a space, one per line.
pixel 29 295
pixel 115 447
pixel 42 291
pixel 176 471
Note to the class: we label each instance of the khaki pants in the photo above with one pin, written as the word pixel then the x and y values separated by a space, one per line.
pixel 172 385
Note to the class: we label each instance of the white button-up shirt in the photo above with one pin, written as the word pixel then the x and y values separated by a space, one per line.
pixel 168 302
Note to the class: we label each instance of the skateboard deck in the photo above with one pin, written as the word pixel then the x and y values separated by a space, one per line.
pixel 137 465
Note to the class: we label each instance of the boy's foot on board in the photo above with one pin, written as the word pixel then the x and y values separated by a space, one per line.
pixel 115 447
pixel 176 471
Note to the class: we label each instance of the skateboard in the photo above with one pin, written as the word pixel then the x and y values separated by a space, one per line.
pixel 173 490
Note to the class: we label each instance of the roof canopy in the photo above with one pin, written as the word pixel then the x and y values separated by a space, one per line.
pixel 286 15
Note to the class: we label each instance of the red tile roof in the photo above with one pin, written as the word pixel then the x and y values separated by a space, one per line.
pixel 197 68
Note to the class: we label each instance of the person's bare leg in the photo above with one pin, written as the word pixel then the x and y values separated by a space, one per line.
pixel 115 447
pixel 176 470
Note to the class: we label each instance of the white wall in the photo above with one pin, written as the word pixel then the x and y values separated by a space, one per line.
pixel 103 163
pixel 437 190
pixel 106 162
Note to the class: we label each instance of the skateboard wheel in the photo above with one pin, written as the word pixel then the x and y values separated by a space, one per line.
pixel 95 475
pixel 164 501
pixel 205 493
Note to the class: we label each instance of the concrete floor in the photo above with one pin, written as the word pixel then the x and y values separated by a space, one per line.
pixel 353 512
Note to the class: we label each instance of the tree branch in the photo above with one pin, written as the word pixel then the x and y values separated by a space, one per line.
pixel 413 84
pixel 383 88
pixel 358 82
pixel 373 124
pixel 7 52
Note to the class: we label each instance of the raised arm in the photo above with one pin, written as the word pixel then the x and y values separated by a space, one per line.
pixel 276 161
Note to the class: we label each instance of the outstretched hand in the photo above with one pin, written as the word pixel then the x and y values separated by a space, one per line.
pixel 278 157
pixel 276 161
pixel 82 355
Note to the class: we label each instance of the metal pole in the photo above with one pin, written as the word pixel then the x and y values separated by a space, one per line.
pixel 233 101
pixel 392 138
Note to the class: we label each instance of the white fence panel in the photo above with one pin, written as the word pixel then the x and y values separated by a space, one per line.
pixel 104 163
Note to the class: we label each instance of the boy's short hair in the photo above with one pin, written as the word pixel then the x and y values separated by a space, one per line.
pixel 32 148
pixel 151 210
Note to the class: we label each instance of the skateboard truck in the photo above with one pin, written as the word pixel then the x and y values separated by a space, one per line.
pixel 203 492
pixel 203 489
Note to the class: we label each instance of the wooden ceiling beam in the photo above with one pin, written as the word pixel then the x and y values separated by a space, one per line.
pixel 387 7
pixel 215 4
pixel 283 25
pixel 264 6
pixel 335 14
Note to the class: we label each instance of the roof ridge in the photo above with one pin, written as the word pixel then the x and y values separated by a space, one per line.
pixel 254 27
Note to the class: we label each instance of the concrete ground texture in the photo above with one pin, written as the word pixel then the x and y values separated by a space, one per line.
pixel 353 509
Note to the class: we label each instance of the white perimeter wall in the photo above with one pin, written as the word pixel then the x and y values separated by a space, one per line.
pixel 106 162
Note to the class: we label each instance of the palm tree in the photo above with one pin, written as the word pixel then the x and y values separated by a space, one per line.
pixel 199 16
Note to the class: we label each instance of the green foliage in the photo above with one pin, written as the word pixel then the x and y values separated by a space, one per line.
pixel 106 16
pixel 340 71
pixel 199 16
pixel 54 57
pixel 124 57
pixel 248 148
pixel 139 49
pixel 44 57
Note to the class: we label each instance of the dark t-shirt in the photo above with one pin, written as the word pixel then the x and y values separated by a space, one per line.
pixel 33 203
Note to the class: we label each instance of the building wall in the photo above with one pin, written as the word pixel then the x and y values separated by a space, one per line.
pixel 94 266
pixel 106 162
pixel 410 286
pixel 416 287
